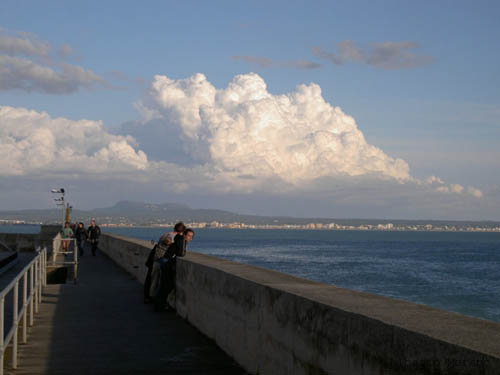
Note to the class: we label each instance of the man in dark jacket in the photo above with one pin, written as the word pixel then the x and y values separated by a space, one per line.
pixel 168 268
pixel 93 234
pixel 81 236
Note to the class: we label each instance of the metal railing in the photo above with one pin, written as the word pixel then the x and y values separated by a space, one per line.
pixel 36 271
pixel 56 249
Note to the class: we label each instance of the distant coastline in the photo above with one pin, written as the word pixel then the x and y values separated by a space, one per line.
pixel 140 214
pixel 331 226
pixel 309 226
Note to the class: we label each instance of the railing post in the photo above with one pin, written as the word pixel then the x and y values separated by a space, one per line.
pixel 40 282
pixel 44 266
pixel 35 289
pixel 36 269
pixel 54 250
pixel 2 349
pixel 31 295
pixel 75 266
pixel 25 310
pixel 15 324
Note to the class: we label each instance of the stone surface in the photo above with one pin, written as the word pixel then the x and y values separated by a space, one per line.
pixel 273 323
pixel 101 326
pixel 291 325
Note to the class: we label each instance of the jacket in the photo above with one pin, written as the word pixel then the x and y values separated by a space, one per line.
pixel 93 233
pixel 176 249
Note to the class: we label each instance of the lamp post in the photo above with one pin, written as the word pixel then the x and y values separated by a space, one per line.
pixel 60 202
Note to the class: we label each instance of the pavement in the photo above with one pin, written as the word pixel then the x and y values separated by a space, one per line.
pixel 101 326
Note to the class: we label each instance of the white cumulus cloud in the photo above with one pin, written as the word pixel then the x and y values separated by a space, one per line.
pixel 244 131
pixel 245 139
pixel 34 143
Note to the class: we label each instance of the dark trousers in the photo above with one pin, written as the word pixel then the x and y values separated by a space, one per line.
pixel 167 284
pixel 147 284
pixel 80 244
pixel 94 244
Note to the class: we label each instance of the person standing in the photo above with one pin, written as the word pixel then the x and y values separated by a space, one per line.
pixel 169 237
pixel 157 252
pixel 168 268
pixel 81 236
pixel 66 234
pixel 93 234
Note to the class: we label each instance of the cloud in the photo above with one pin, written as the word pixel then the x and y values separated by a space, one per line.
pixel 244 130
pixel 226 145
pixel 384 55
pixel 27 64
pixel 67 52
pixel 27 45
pixel 439 185
pixel 264 62
pixel 247 139
pixel 22 74
pixel 33 143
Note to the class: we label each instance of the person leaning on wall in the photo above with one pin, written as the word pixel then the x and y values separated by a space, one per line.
pixel 157 252
pixel 168 268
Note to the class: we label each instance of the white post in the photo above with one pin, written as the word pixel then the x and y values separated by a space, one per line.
pixel 54 249
pixel 2 349
pixel 31 295
pixel 25 305
pixel 35 290
pixel 40 282
pixel 15 324
pixel 44 266
pixel 75 266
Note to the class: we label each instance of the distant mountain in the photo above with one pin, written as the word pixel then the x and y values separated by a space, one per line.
pixel 141 213
pixel 138 213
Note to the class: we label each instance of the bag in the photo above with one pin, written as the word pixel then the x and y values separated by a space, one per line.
pixel 156 253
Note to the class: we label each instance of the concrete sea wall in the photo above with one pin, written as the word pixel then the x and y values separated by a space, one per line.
pixel 30 241
pixel 273 323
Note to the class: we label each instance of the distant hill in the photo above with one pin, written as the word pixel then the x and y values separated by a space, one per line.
pixel 141 213
pixel 133 212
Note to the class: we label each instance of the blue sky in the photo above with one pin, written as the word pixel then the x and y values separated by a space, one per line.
pixel 420 79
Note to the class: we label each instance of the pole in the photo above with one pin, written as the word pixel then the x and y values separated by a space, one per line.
pixel 15 324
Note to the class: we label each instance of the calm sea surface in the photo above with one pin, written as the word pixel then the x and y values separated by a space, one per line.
pixel 453 271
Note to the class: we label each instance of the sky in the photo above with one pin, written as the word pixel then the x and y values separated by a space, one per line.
pixel 348 109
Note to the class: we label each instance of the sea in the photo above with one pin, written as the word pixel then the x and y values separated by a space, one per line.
pixel 454 271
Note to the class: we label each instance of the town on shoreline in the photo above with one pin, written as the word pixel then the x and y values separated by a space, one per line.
pixel 309 226
pixel 329 226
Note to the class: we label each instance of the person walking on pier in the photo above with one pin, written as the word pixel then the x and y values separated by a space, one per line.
pixel 66 234
pixel 81 236
pixel 93 234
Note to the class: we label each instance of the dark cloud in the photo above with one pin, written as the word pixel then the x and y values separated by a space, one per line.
pixel 23 74
pixel 264 62
pixel 28 64
pixel 25 45
pixel 384 55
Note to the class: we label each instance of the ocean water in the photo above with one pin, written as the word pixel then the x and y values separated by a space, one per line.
pixel 457 272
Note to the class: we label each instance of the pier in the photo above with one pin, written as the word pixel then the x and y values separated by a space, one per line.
pixel 234 318
pixel 101 326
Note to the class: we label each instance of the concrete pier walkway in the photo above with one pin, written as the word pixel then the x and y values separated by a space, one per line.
pixel 101 326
